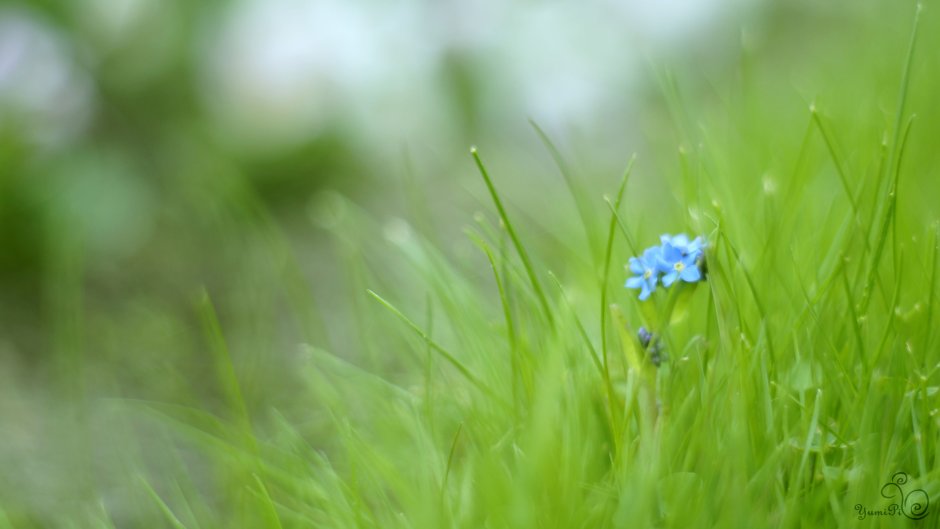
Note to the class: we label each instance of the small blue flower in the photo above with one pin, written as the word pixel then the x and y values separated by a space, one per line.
pixel 679 259
pixel 646 272
pixel 676 258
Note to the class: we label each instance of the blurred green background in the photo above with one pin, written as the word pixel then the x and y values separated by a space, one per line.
pixel 155 150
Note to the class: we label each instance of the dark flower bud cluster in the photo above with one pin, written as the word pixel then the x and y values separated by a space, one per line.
pixel 653 346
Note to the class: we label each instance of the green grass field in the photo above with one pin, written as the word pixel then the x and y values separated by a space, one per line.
pixel 490 375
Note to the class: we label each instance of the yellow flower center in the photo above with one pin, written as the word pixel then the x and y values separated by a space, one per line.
pixel 648 274
pixel 679 266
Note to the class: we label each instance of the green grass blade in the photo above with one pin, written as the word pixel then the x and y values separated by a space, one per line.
pixel 518 372
pixel 836 159
pixel 853 317
pixel 269 513
pixel 520 249
pixel 887 220
pixel 584 210
pixel 164 508
pixel 905 85
pixel 225 369
pixel 579 325
pixel 898 139
pixel 450 463
pixel 932 292
pixel 447 355
pixel 810 433
pixel 608 254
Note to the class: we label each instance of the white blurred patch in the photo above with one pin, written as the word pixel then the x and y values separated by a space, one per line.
pixel 135 40
pixel 664 22
pixel 770 185
pixel 277 72
pixel 114 21
pixel 42 91
pixel 561 62
pixel 272 69
pixel 328 210
pixel 397 231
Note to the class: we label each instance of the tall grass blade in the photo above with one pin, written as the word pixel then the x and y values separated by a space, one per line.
pixel 584 210
pixel 520 249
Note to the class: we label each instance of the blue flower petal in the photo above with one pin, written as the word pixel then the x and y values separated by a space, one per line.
pixel 636 266
pixel 671 254
pixel 651 255
pixel 690 274
pixel 635 282
pixel 670 278
pixel 679 241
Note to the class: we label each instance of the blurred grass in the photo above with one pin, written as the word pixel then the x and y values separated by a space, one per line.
pixel 183 346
